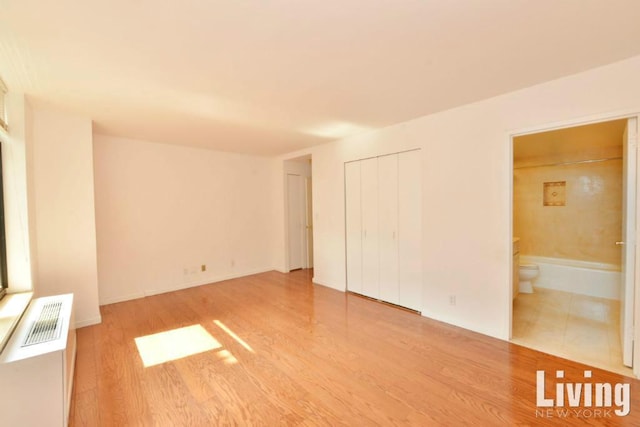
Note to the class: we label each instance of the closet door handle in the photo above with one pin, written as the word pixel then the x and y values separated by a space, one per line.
pixel 619 243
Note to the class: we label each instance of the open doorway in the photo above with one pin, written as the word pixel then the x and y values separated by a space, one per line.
pixel 299 213
pixel 574 242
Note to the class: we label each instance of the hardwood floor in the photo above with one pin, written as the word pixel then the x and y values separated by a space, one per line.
pixel 286 352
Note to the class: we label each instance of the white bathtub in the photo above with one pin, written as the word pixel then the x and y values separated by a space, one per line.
pixel 580 277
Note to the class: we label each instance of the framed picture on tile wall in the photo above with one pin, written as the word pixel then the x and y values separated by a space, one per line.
pixel 554 193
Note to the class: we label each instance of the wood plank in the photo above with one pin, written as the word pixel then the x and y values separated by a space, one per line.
pixel 295 353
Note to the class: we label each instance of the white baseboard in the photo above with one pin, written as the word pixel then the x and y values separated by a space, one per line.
pixel 128 297
pixel 327 284
pixel 473 327
pixel 150 292
pixel 88 322
pixel 179 286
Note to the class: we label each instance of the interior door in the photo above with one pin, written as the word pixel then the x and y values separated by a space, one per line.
pixel 627 294
pixel 353 220
pixel 309 221
pixel 388 227
pixel 370 254
pixel 295 210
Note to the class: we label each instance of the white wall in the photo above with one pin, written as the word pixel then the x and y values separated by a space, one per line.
pixel 466 156
pixel 64 206
pixel 164 210
pixel 17 211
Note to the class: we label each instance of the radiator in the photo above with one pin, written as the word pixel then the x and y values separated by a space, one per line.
pixel 36 365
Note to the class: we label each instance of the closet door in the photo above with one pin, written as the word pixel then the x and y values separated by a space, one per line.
pixel 388 227
pixel 295 210
pixel 410 229
pixel 370 255
pixel 353 222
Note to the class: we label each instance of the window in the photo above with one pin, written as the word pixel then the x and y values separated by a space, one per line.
pixel 3 240
pixel 3 110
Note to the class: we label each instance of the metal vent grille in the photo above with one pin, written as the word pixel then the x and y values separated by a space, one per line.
pixel 47 326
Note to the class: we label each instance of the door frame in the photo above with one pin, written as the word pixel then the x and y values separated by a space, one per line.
pixel 308 232
pixel 630 162
pixel 511 134
pixel 290 166
pixel 303 244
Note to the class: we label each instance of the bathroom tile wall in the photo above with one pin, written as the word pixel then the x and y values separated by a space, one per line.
pixel 586 227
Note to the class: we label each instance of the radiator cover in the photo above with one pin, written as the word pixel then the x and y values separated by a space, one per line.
pixel 39 375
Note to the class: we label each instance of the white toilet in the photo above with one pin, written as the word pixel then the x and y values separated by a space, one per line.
pixel 528 272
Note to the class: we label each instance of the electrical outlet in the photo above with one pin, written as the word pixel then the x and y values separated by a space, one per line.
pixel 452 300
pixel 203 267
pixel 185 271
pixel 233 263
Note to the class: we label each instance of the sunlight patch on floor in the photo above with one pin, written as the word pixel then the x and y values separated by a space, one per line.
pixel 233 335
pixel 175 344
pixel 226 357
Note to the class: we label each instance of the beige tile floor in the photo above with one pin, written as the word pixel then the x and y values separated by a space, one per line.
pixel 577 327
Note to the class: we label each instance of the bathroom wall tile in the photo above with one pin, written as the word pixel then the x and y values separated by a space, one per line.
pixel 589 224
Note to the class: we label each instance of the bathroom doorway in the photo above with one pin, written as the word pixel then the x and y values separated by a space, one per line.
pixel 573 213
pixel 298 213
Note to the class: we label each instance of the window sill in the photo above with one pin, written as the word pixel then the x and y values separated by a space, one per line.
pixel 12 307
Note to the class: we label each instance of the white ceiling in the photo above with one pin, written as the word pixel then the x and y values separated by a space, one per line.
pixel 269 77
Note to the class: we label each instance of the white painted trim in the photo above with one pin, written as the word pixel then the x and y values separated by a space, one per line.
pixel 88 322
pixel 127 297
pixel 569 123
pixel 327 284
pixel 507 333
pixel 12 308
pixel 450 322
pixel 636 296
pixel 150 292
